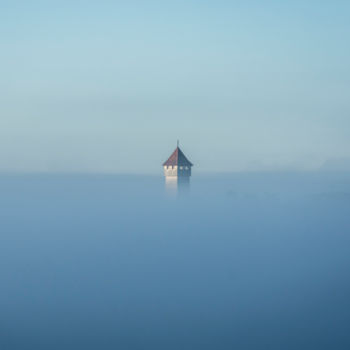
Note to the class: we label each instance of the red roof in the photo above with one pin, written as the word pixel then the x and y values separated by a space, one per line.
pixel 178 158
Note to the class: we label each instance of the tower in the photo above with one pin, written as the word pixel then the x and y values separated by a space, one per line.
pixel 177 171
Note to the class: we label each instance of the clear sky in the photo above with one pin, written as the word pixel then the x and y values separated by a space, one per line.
pixel 109 86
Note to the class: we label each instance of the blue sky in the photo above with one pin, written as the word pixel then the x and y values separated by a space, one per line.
pixel 108 86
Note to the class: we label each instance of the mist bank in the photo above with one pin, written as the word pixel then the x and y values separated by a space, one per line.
pixel 244 260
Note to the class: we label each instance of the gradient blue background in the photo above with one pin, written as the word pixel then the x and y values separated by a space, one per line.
pixel 108 86
pixel 250 260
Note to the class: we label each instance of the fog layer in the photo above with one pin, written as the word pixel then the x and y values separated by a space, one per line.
pixel 245 261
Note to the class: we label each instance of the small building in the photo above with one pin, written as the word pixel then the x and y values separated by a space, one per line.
pixel 177 171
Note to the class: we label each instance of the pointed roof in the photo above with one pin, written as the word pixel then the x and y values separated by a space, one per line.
pixel 177 158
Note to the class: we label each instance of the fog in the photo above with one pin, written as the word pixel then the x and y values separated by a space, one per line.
pixel 242 261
